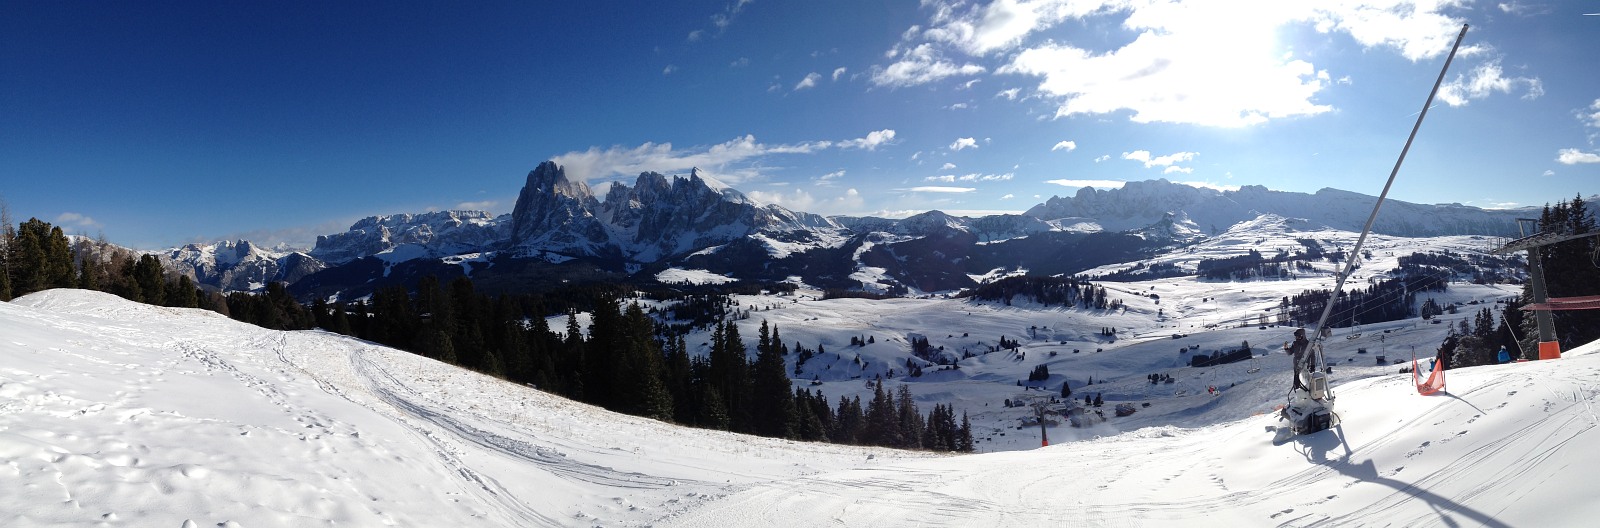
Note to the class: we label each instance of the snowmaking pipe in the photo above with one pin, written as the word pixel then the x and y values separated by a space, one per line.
pixel 1350 262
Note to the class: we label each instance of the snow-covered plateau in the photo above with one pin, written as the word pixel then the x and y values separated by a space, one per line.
pixel 114 413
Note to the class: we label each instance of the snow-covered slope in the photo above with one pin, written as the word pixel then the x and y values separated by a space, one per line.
pixel 118 413
pixel 131 414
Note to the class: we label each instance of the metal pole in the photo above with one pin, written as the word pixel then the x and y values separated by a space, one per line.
pixel 1547 329
pixel 1356 252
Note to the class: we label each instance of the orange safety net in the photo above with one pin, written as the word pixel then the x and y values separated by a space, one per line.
pixel 1590 302
pixel 1435 382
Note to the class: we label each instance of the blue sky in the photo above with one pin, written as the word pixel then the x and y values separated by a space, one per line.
pixel 161 123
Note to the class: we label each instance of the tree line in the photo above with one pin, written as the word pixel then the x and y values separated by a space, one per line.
pixel 625 360
pixel 1571 269
pixel 36 256
pixel 1045 290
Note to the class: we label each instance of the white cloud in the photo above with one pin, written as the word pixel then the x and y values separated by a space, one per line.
pixel 696 35
pixel 1102 157
pixel 1192 62
pixel 873 140
pixel 1143 156
pixel 1008 93
pixel 809 82
pixel 297 237
pixel 725 18
pixel 1098 184
pixel 1068 146
pixel 1212 77
pixel 595 163
pixel 797 200
pixel 669 69
pixel 832 175
pixel 1176 169
pixel 740 63
pixel 964 143
pixel 1485 80
pixel 957 106
pixel 947 166
pixel 1001 24
pixel 1008 197
pixel 838 72
pixel 1591 118
pixel 1416 29
pixel 948 178
pixel 70 219
pixel 940 189
pixel 988 177
pixel 482 205
pixel 850 201
pixel 1548 173
pixel 1209 185
pixel 921 65
pixel 1574 156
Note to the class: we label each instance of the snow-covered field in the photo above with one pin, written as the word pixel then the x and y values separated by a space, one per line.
pixel 116 413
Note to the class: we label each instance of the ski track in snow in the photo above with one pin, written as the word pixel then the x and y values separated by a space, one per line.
pixel 114 413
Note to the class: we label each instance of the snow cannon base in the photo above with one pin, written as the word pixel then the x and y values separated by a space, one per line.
pixel 1307 415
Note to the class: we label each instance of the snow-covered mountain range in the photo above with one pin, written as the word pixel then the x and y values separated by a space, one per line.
pixel 240 265
pixel 1139 204
pixel 560 227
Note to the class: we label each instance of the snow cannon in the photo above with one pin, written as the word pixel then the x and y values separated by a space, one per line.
pixel 1307 414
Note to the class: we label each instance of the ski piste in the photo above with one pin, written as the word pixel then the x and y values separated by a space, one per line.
pixel 1310 409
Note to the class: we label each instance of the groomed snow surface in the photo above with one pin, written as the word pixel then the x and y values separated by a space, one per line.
pixel 118 413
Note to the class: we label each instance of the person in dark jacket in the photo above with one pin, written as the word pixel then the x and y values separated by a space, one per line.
pixel 1301 357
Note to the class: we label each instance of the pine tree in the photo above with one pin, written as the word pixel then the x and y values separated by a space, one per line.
pixel 573 362
pixel 151 279
pixel 59 254
pixel 773 406
pixel 183 293
pixel 88 269
pixel 678 375
pixel 881 425
pixel 8 237
pixel 730 374
pixel 849 422
pixel 964 443
pixel 640 369
pixel 29 270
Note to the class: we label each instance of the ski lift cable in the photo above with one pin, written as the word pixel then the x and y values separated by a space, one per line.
pixel 1371 305
pixel 1513 330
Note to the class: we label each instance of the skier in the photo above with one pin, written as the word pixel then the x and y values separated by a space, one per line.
pixel 1504 356
pixel 1301 359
